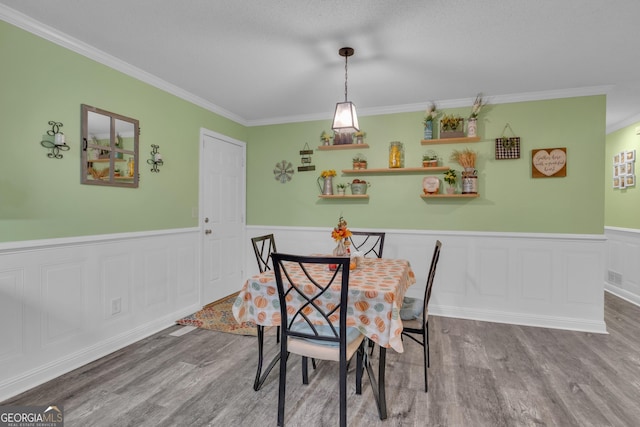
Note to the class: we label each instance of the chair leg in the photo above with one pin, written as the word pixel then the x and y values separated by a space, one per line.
pixel 426 342
pixel 359 359
pixel 305 371
pixel 343 392
pixel 425 357
pixel 278 334
pixel 283 382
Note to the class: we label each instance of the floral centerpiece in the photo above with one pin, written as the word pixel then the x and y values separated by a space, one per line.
pixel 341 235
pixel 429 117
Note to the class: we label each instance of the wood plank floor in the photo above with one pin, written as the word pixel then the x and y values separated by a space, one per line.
pixel 482 374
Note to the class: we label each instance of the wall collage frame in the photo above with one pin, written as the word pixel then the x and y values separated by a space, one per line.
pixel 624 171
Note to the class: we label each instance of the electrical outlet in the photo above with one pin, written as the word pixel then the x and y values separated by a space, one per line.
pixel 116 306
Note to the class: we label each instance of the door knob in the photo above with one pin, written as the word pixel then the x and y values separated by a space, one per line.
pixel 207 231
pixel 206 220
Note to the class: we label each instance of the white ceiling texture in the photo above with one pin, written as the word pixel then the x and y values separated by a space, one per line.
pixel 264 62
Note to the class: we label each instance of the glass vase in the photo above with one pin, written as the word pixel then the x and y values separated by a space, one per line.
pixel 341 249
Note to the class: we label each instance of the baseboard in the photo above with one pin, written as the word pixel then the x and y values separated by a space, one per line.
pixel 553 322
pixel 621 293
pixel 54 369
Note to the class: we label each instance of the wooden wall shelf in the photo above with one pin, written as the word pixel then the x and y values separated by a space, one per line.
pixel 450 140
pixel 395 170
pixel 342 147
pixel 346 196
pixel 449 196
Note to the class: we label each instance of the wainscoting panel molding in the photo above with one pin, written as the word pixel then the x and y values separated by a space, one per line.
pixel 67 302
pixel 547 280
pixel 623 263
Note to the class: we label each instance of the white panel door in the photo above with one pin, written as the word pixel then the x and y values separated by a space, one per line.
pixel 222 215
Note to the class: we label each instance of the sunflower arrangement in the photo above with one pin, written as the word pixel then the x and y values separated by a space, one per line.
pixel 328 173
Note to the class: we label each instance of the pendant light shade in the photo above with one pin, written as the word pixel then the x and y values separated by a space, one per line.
pixel 345 118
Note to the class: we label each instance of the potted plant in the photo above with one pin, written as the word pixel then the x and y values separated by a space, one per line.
pixel 325 138
pixel 116 172
pixel 429 160
pixel 451 126
pixel 360 136
pixel 450 178
pixel 359 162
pixel 467 159
pixel 341 189
pixel 429 117
pixel 472 124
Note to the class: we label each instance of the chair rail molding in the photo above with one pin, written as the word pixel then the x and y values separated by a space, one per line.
pixel 530 279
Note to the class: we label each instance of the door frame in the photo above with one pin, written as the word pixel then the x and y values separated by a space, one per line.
pixel 201 225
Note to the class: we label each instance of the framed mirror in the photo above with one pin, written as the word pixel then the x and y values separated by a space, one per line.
pixel 109 153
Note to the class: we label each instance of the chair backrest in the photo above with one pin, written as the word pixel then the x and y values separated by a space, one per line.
pixel 309 306
pixel 263 247
pixel 368 242
pixel 430 277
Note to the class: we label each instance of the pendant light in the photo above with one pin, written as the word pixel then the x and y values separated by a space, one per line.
pixel 345 118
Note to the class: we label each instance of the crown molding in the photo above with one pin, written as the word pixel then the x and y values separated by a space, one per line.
pixel 623 123
pixel 446 103
pixel 40 29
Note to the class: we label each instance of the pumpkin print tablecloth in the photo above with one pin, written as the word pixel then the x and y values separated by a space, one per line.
pixel 376 290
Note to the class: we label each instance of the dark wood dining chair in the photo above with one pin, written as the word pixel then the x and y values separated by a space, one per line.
pixel 263 247
pixel 370 243
pixel 314 320
pixel 415 315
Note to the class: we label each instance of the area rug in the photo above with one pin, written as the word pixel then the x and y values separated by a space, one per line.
pixel 218 316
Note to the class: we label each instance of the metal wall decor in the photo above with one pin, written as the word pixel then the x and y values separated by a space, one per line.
pixel 507 147
pixel 283 171
pixel 58 144
pixel 306 159
pixel 156 158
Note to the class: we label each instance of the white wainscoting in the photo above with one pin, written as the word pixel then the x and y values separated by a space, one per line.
pixel 623 263
pixel 547 280
pixel 67 302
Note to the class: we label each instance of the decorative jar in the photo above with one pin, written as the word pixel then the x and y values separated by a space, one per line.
pixel 396 154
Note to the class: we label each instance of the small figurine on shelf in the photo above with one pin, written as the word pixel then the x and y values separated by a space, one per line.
pixel 360 137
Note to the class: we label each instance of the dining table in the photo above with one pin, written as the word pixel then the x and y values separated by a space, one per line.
pixel 376 290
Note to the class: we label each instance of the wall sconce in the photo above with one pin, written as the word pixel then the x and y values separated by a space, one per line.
pixel 156 158
pixel 58 144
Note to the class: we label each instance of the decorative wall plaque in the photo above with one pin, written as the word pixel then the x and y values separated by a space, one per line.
pixel 549 162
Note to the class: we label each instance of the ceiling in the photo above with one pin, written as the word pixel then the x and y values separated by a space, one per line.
pixel 263 62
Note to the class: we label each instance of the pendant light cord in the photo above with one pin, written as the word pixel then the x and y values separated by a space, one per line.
pixel 346 58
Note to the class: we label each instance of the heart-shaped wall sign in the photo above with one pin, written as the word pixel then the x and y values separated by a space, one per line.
pixel 549 162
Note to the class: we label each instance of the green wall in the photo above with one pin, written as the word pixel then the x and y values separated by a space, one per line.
pixel 510 200
pixel 621 205
pixel 42 197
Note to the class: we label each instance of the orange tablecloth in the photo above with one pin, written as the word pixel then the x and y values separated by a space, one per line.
pixel 376 290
